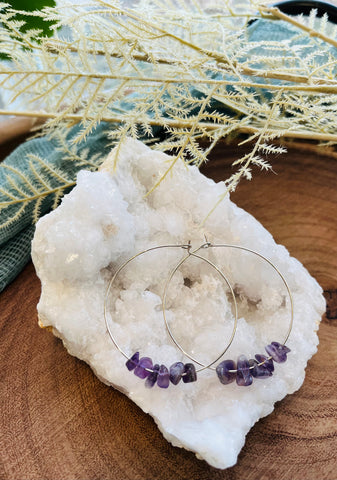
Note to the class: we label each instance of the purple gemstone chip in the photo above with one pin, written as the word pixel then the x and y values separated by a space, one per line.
pixel 190 375
pixel 277 351
pixel 176 371
pixel 144 362
pixel 152 377
pixel 133 361
pixel 223 371
pixel 259 371
pixel 268 363
pixel 163 380
pixel 244 377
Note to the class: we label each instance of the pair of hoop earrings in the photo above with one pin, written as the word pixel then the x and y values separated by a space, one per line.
pixel 262 366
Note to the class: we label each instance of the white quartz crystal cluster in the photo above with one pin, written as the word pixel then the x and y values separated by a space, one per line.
pixel 106 219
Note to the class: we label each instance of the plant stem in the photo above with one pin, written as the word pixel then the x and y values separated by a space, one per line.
pixel 331 89
pixel 252 72
pixel 38 195
pixel 76 118
pixel 215 55
pixel 186 142
pixel 249 158
pixel 275 12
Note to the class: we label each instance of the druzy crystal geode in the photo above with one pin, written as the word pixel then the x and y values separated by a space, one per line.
pixel 105 220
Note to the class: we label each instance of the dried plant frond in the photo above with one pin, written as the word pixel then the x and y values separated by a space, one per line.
pixel 182 71
pixel 38 184
pixel 28 190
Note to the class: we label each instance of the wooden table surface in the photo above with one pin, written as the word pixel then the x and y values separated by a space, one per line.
pixel 58 421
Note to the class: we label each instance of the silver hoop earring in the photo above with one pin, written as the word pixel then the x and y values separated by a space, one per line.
pixel 244 371
pixel 143 367
pixel 227 371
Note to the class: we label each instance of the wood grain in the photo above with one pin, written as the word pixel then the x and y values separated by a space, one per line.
pixel 58 421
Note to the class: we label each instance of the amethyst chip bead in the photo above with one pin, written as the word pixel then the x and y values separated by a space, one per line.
pixel 133 361
pixel 223 371
pixel 144 363
pixel 163 379
pixel 244 377
pixel 176 371
pixel 259 371
pixel 190 375
pixel 152 377
pixel 277 351
pixel 267 362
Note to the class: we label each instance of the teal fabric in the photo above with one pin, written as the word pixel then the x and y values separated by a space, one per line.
pixel 15 239
pixel 14 255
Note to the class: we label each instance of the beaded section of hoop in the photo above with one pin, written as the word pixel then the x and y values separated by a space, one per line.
pixel 160 374
pixel 245 370
pixel 227 371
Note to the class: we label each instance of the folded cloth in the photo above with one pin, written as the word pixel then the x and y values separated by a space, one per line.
pixel 14 255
